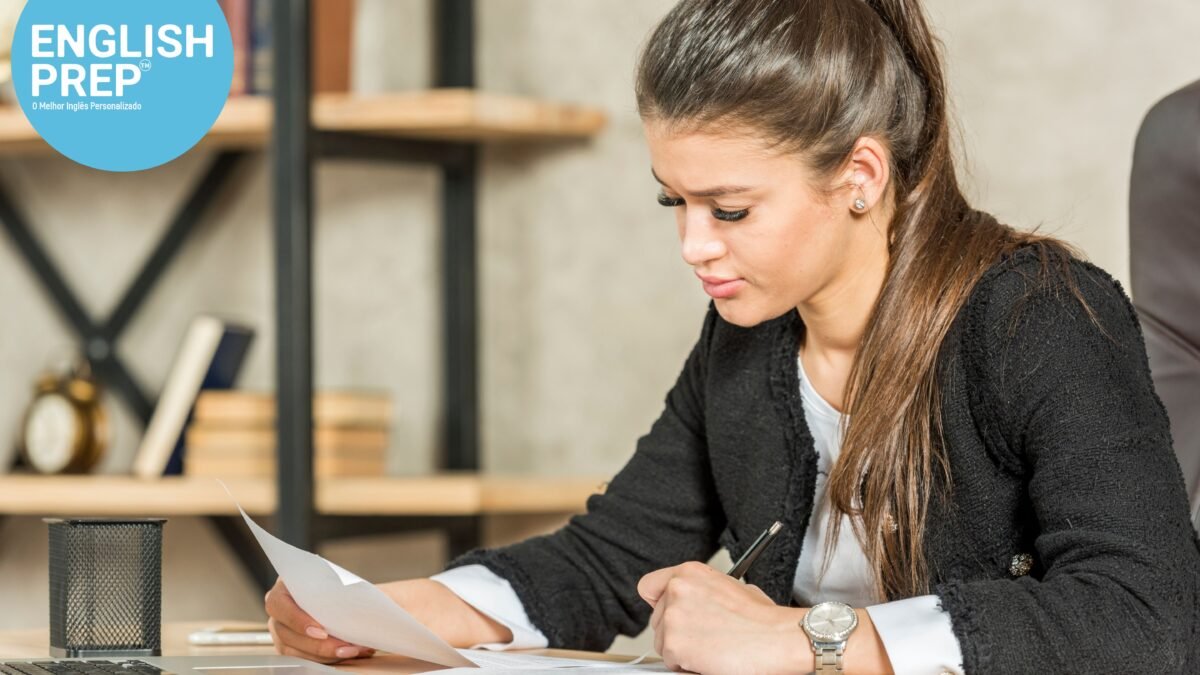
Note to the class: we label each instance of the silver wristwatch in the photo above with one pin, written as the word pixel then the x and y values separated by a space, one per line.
pixel 829 625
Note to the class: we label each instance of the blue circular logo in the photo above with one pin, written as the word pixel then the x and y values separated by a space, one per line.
pixel 122 85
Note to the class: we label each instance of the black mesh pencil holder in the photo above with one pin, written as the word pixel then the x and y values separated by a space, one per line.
pixel 105 586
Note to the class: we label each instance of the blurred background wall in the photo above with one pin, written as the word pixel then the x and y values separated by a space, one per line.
pixel 587 310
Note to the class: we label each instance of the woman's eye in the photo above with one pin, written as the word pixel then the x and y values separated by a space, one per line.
pixel 664 200
pixel 721 214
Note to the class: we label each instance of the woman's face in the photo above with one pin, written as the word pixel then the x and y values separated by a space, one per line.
pixel 761 241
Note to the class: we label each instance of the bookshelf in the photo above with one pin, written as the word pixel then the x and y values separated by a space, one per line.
pixel 443 127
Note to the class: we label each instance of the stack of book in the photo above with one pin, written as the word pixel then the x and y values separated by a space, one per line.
pixel 232 434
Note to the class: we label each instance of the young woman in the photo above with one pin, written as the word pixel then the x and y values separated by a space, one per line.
pixel 954 420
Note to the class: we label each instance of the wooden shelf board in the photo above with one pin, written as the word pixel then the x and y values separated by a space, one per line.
pixel 440 495
pixel 128 496
pixel 515 494
pixel 402 495
pixel 455 114
pixel 434 114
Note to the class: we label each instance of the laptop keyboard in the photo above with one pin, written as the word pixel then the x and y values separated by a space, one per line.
pixel 80 667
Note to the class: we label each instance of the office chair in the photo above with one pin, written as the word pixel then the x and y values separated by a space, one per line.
pixel 1164 243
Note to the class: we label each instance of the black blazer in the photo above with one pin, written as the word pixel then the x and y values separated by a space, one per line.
pixel 1059 449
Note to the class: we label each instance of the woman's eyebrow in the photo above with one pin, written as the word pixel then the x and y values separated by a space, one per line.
pixel 717 191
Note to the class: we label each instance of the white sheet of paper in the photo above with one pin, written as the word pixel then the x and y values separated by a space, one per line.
pixel 488 660
pixel 349 607
pixel 353 609
pixel 514 662
pixel 614 669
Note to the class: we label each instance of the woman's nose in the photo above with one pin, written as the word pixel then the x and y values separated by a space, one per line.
pixel 699 243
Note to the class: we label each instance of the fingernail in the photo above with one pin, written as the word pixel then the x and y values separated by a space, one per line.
pixel 346 652
pixel 316 633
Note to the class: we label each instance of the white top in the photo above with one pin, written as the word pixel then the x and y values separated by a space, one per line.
pixel 915 632
pixel 848 578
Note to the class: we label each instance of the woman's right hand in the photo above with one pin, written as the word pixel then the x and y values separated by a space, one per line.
pixel 297 634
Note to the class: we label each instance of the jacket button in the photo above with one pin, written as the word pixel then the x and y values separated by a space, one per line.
pixel 1020 565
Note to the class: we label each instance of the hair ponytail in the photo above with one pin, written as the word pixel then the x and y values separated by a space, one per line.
pixel 815 77
pixel 921 50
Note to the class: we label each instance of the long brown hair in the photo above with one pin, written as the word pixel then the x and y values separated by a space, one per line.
pixel 814 76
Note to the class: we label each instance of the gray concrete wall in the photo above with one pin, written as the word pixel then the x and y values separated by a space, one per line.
pixel 573 369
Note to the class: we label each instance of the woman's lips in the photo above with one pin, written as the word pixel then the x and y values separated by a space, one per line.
pixel 722 289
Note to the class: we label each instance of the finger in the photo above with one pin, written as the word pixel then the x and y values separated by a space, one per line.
pixel 656 624
pixel 283 648
pixel 280 640
pixel 288 651
pixel 329 649
pixel 651 586
pixel 275 641
pixel 283 608
pixel 283 601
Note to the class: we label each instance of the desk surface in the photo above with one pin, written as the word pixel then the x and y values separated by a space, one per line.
pixel 19 644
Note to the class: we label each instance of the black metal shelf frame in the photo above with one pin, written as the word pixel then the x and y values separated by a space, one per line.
pixel 294 146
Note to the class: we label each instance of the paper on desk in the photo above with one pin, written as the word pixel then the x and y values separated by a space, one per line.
pixel 349 607
pixel 607 667
pixel 528 663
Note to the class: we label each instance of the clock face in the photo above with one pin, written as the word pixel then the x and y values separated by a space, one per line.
pixel 50 433
pixel 831 620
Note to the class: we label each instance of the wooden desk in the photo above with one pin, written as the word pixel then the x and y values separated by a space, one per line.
pixel 23 644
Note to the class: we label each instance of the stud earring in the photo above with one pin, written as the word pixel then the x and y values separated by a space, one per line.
pixel 860 204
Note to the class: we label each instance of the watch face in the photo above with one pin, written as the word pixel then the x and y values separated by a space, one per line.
pixel 830 621
pixel 50 433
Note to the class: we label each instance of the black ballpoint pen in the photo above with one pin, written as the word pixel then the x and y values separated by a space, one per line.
pixel 764 540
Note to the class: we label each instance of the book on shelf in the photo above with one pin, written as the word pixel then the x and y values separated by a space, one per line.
pixel 203 439
pixel 260 47
pixel 332 33
pixel 241 408
pixel 263 466
pixel 224 451
pixel 237 15
pixel 210 357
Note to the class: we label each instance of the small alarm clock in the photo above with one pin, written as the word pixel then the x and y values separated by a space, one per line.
pixel 65 429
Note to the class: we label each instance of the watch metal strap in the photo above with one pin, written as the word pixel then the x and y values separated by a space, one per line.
pixel 828 658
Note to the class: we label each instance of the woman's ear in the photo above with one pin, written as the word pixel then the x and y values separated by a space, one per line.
pixel 866 175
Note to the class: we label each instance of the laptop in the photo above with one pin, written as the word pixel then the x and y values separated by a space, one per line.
pixel 256 664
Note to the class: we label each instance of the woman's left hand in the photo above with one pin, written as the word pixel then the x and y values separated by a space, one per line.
pixel 708 622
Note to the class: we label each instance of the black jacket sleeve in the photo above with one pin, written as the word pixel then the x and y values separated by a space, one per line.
pixel 579 584
pixel 1074 408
